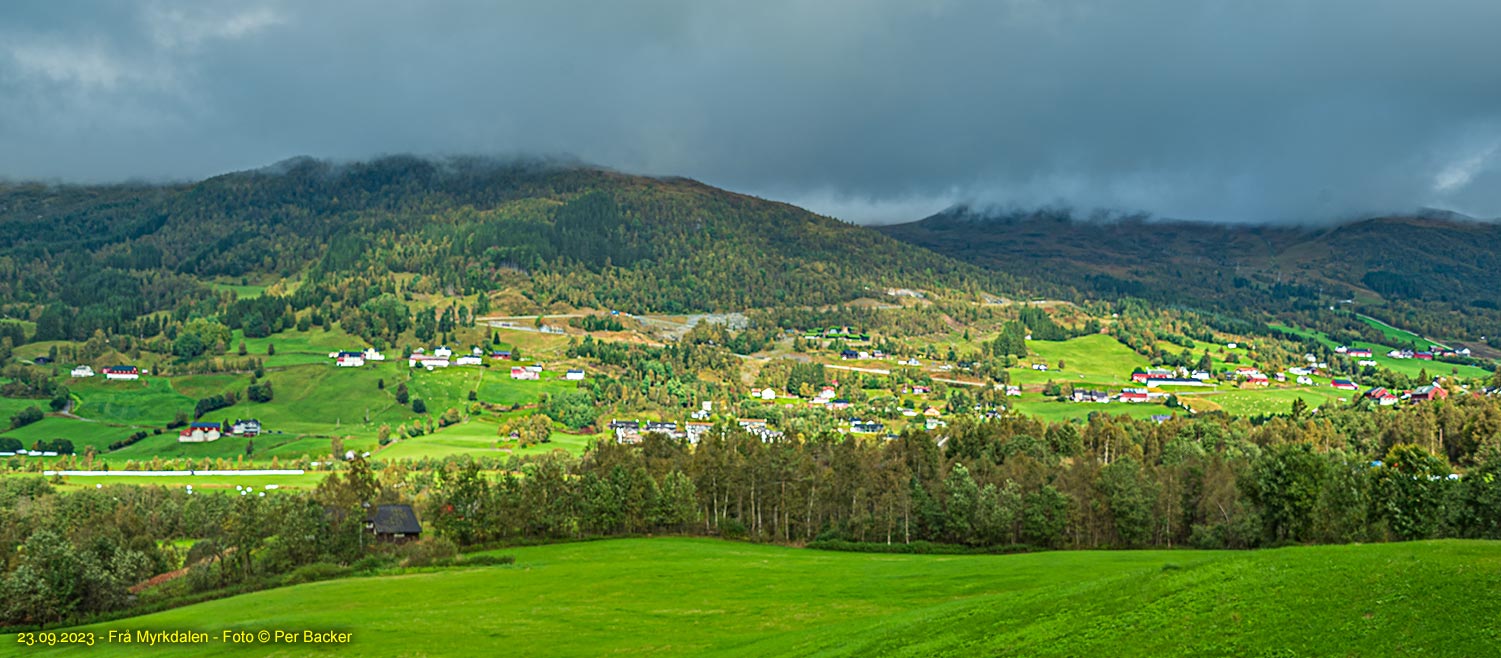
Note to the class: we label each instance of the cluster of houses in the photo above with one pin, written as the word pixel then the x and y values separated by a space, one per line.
pixel 443 357
pixel 1154 377
pixel 1129 395
pixel 210 432
pixel 111 373
pixel 1428 393
pixel 1427 355
pixel 630 432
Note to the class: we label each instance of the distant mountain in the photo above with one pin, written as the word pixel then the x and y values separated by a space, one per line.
pixel 556 232
pixel 1415 265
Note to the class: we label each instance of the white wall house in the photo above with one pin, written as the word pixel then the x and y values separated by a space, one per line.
pixel 83 371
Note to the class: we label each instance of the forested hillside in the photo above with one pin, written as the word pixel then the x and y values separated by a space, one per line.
pixel 1434 274
pixel 99 257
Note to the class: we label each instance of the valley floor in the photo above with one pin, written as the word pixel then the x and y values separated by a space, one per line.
pixel 706 597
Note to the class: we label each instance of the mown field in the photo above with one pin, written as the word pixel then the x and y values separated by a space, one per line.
pixel 708 597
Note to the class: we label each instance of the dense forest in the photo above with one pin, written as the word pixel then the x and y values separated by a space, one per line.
pixel 79 258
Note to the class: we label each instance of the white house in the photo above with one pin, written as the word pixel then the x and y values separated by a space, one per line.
pixel 246 427
pixel 349 359
pixel 370 354
pixel 83 371
pixel 469 360
pixel 768 393
pixel 574 375
pixel 1305 380
pixel 122 373
pixel 442 351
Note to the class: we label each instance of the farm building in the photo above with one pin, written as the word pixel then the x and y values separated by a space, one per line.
pixel 519 372
pixel 574 375
pixel 1428 393
pixel 394 523
pixel 1344 385
pixel 114 373
pixel 199 433
pixel 429 362
pixel 83 371
pixel 1087 395
pixel 468 360
pixel 349 359
pixel 1382 396
pixel 1144 376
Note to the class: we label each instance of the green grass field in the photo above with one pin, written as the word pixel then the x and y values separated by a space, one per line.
pixel 1252 402
pixel 199 482
pixel 1398 335
pixel 477 437
pixel 1095 359
pixel 708 597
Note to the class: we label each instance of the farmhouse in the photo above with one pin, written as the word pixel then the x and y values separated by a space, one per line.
pixel 429 362
pixel 394 523
pixel 1134 395
pixel 1382 396
pixel 442 351
pixel 83 371
pixel 849 354
pixel 574 375
pixel 1429 393
pixel 199 433
pixel 122 373
pixel 866 427
pixel 1013 391
pixel 1358 352
pixel 348 359
pixel 501 355
pixel 1344 385
pixel 247 427
pixel 519 372
pixel 1423 356
pixel 371 354
pixel 1087 395
pixel 1305 380
pixel 1041 367
pixel 767 393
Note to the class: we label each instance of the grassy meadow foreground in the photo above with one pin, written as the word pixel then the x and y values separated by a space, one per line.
pixel 698 597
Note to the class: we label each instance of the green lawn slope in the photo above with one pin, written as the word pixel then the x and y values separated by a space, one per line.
pixel 706 597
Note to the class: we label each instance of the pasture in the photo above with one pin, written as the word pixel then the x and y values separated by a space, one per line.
pixel 708 597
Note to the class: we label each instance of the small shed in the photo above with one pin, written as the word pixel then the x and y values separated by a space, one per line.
pixel 394 523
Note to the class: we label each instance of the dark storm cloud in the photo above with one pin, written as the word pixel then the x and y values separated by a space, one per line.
pixel 1274 110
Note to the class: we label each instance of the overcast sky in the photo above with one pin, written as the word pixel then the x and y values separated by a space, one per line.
pixel 869 110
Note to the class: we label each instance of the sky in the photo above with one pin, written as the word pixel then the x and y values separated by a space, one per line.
pixel 874 111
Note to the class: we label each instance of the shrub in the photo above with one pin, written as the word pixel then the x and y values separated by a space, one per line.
pixel 316 571
pixel 428 551
pixel 484 560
